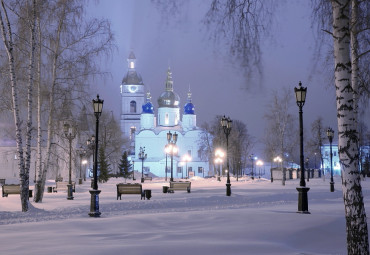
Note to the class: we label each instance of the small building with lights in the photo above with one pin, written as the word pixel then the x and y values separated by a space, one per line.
pixel 148 131
pixel 325 152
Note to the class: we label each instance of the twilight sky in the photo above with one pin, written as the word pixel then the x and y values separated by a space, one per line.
pixel 216 85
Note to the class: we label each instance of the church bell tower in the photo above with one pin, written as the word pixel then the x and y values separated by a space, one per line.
pixel 132 98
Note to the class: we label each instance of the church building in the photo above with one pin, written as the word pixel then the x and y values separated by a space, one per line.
pixel 148 132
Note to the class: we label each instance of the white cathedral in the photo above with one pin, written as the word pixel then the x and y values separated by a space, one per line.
pixel 146 131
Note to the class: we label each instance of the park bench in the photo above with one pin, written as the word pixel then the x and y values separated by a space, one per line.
pixel 63 186
pixel 179 186
pixel 128 188
pixel 13 189
pixel 148 178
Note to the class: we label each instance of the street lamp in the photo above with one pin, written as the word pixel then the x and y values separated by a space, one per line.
pixel 308 170
pixel 219 160
pixel 300 94
pixel 226 125
pixel 82 153
pixel 260 164
pixel 280 160
pixel 186 158
pixel 133 170
pixel 330 134
pixel 70 134
pixel 167 151
pixel 172 139
pixel 251 157
pixel 94 205
pixel 142 157
pixel 91 146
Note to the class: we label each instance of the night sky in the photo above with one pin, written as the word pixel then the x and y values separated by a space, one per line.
pixel 217 85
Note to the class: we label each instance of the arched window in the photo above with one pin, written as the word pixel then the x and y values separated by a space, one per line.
pixel 133 107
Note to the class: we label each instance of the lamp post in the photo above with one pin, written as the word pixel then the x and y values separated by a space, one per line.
pixel 260 164
pixel 70 134
pixel 226 125
pixel 219 160
pixel 251 157
pixel 91 145
pixel 279 163
pixel 330 134
pixel 300 94
pixel 172 139
pixel 94 205
pixel 82 153
pixel 133 170
pixel 187 158
pixel 308 170
pixel 167 151
pixel 142 157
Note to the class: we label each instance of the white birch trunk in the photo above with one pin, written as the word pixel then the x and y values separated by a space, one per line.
pixel 356 224
pixel 25 174
pixel 56 52
pixel 6 32
pixel 38 196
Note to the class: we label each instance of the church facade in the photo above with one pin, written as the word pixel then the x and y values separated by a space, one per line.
pixel 147 128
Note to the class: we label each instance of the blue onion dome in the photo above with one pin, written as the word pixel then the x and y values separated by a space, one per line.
pixel 169 98
pixel 189 106
pixel 148 106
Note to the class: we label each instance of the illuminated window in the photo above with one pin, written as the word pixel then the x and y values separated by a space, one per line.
pixel 166 119
pixel 132 132
pixel 133 107
pixel 132 64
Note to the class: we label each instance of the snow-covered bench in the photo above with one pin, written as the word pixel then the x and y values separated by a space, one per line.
pixel 148 178
pixel 180 186
pixel 129 188
pixel 63 186
pixel 13 189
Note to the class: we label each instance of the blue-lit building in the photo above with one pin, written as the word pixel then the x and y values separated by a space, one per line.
pixel 144 128
pixel 325 150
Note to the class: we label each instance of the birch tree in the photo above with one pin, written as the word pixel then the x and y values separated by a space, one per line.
pixel 8 40
pixel 318 137
pixel 357 232
pixel 278 138
pixel 71 43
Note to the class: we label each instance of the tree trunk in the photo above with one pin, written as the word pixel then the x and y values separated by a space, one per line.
pixel 25 175
pixel 41 182
pixel 38 196
pixel 356 224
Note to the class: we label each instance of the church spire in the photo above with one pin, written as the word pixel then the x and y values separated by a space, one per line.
pixel 131 60
pixel 189 95
pixel 169 82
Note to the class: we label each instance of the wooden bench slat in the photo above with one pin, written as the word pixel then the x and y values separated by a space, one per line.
pixel 180 186
pixel 128 188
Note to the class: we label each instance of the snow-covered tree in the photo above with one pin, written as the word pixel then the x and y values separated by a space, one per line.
pixel 124 166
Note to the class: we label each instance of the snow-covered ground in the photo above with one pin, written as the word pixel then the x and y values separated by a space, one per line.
pixel 258 218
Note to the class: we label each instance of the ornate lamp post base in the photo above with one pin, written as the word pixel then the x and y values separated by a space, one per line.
pixel 94 205
pixel 303 200
pixel 228 189
pixel 142 179
pixel 70 192
pixel 331 186
pixel 218 178
pixel 80 181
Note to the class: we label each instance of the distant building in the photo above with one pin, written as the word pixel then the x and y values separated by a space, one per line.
pixel 325 150
pixel 144 128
